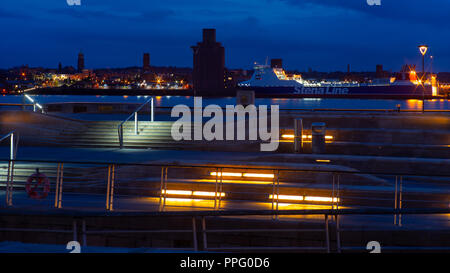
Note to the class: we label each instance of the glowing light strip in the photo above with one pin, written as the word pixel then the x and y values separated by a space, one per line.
pixel 321 199
pixel 259 175
pixel 194 193
pixel 226 174
pixel 304 198
pixel 323 160
pixel 228 181
pixel 262 175
pixel 206 193
pixel 305 136
pixel 176 192
pixel 286 197
pixel 182 200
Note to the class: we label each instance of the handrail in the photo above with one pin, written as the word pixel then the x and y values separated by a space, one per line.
pixel 35 103
pixel 218 213
pixel 120 127
pixel 15 104
pixel 82 216
pixel 338 110
pixel 335 191
pixel 12 158
pixel 14 143
pixel 249 166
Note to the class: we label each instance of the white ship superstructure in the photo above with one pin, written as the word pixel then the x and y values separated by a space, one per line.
pixel 269 80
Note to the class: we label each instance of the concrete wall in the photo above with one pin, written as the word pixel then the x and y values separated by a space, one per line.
pixel 76 107
pixel 373 120
pixel 35 127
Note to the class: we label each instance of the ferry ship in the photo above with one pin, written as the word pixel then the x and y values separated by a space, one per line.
pixel 274 81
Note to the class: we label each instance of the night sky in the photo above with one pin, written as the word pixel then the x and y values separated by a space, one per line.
pixel 324 35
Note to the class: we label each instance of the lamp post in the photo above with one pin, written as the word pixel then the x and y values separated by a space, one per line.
pixel 423 50
pixel 431 65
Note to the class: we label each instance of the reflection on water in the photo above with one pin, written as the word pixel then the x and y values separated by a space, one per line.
pixel 295 103
pixel 416 104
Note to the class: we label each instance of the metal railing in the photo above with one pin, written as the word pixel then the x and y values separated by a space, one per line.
pixel 387 110
pixel 35 104
pixel 199 236
pixel 14 143
pixel 203 237
pixel 14 137
pixel 136 122
pixel 86 178
pixel 16 104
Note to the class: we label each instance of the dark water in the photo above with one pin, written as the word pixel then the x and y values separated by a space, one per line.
pixel 297 103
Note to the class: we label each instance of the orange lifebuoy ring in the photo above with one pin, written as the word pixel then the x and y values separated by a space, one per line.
pixel 37 186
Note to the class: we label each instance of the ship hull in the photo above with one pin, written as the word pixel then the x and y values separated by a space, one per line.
pixel 351 91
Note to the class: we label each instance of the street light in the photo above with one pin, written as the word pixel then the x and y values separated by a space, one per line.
pixel 423 50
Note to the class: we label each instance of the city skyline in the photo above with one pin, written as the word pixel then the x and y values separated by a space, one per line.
pixel 322 35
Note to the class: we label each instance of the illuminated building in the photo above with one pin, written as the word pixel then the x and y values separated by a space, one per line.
pixel 80 62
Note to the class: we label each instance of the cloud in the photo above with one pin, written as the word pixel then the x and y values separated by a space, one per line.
pixel 105 13
pixel 12 15
pixel 303 32
pixel 429 12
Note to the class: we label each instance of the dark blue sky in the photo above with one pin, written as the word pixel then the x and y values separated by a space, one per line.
pixel 322 34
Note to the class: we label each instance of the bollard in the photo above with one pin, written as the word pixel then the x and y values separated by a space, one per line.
pixel 152 111
pixel 245 97
pixel 23 103
pixel 136 123
pixel 298 135
pixel 318 137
